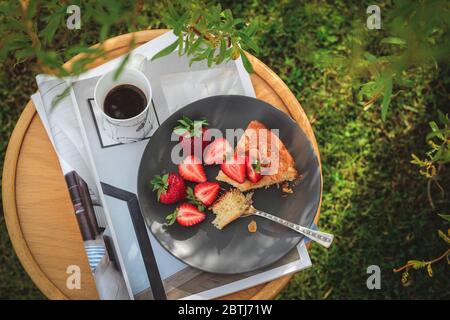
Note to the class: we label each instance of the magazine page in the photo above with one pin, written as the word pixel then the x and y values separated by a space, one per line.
pixel 62 128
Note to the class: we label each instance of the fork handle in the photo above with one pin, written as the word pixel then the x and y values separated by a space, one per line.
pixel 323 238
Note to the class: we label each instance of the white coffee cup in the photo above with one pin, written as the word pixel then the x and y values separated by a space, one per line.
pixel 130 129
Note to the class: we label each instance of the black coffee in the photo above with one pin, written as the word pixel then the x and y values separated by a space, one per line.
pixel 124 102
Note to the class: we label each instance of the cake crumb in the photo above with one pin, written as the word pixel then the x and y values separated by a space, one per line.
pixel 286 188
pixel 252 226
pixel 230 206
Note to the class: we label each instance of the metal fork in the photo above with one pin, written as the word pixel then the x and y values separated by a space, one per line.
pixel 323 238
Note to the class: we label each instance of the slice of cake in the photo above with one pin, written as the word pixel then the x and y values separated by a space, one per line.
pixel 258 137
pixel 230 206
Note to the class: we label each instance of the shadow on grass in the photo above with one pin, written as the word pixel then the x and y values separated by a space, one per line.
pixel 376 204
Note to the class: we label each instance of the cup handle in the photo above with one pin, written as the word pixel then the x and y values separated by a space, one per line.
pixel 137 61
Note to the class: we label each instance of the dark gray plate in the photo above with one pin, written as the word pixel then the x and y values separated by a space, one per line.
pixel 234 249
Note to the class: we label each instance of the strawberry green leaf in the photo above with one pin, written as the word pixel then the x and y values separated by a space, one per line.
pixel 159 184
pixel 257 166
pixel 171 218
pixel 190 196
pixel 180 131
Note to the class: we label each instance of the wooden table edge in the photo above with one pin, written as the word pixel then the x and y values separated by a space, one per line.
pixel 47 287
pixel 12 220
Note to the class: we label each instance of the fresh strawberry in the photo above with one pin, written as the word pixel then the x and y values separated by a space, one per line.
pixel 191 133
pixel 170 188
pixel 234 168
pixel 253 168
pixel 186 215
pixel 216 151
pixel 207 192
pixel 191 169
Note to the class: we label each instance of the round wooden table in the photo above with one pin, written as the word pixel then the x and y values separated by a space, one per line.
pixel 38 211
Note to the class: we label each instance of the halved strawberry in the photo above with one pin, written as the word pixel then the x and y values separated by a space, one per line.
pixel 216 151
pixel 207 192
pixel 186 215
pixel 234 168
pixel 170 188
pixel 191 133
pixel 253 168
pixel 191 169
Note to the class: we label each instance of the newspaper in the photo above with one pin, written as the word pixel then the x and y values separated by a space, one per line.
pixel 110 221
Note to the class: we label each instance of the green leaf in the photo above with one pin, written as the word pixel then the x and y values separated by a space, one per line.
pixel 443 118
pixel 394 40
pixel 49 58
pixel 187 43
pixel 432 135
pixel 24 53
pixel 417 264
pixel 195 45
pixel 190 196
pixel 52 26
pixel 171 10
pixel 446 156
pixel 210 58
pixel 121 67
pixel 171 218
pixel 180 44
pixel 434 127
pixel 58 98
pixel 197 130
pixel 167 50
pixel 159 184
pixel 186 123
pixel 247 64
pixel 222 51
pixel 180 25
pixel 252 27
pixel 443 236
pixel 32 8
pixel 248 42
pixel 370 57
pixel 196 59
pixel 180 131
pixel 104 31
pixel 238 21
pixel 386 98
pixel 370 89
pixel 445 217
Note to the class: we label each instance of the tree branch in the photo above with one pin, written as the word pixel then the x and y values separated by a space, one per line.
pixel 409 265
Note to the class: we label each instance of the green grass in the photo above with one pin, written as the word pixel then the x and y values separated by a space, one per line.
pixel 374 200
